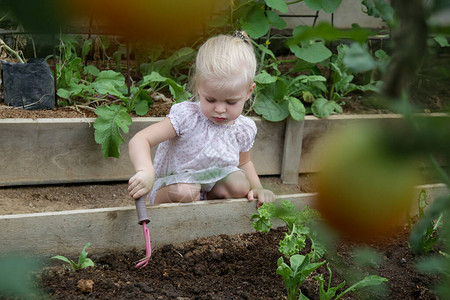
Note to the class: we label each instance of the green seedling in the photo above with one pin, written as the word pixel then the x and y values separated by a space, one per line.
pixel 295 273
pixel 297 223
pixel 83 260
pixel 330 292
pixel 429 235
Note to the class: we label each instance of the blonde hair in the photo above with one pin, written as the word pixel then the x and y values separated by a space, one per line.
pixel 226 61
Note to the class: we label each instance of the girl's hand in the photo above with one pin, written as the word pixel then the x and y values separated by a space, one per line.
pixel 140 184
pixel 263 196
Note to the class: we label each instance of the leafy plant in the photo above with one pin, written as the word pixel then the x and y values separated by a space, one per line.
pixel 299 267
pixel 430 235
pixel 83 260
pixel 113 118
pixel 297 223
pixel 295 273
pixel 329 292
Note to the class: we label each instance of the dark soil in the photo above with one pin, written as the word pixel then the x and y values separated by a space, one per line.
pixel 231 267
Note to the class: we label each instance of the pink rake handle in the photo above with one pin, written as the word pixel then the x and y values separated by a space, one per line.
pixel 144 219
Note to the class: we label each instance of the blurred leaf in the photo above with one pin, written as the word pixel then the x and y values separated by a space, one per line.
pixel 432 264
pixel 279 5
pixel 86 49
pixel 358 59
pixel 256 24
pixel 15 277
pixel 265 78
pixel 441 40
pixel 327 32
pixel 313 53
pixel 328 6
pixel 92 70
pixel 276 20
pixel 380 8
pixel 367 257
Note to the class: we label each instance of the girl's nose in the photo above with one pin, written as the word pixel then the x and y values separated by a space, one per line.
pixel 220 108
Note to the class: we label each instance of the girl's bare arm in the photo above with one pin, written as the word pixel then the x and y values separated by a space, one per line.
pixel 256 188
pixel 139 151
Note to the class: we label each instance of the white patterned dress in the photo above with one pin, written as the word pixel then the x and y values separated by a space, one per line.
pixel 202 152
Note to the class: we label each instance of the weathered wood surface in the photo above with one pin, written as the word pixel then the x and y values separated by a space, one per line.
pixel 316 129
pixel 292 151
pixel 47 151
pixel 111 229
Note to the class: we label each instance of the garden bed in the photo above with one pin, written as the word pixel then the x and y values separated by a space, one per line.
pixel 239 266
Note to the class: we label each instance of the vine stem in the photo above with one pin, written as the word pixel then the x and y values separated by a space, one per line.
pixel 11 51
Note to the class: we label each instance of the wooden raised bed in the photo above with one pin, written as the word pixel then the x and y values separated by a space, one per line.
pixel 111 229
pixel 47 151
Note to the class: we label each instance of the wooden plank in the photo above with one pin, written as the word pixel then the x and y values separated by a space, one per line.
pixel 117 229
pixel 292 151
pixel 113 229
pixel 316 129
pixel 47 151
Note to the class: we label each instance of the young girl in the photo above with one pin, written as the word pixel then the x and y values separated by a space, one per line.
pixel 204 146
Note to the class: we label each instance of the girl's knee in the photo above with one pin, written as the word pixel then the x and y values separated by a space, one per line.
pixel 235 185
pixel 183 192
pixel 239 188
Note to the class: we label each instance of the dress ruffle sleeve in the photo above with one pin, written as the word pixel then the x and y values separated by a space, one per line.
pixel 181 116
pixel 246 135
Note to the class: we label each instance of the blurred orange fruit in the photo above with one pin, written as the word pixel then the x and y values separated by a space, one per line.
pixel 152 20
pixel 364 188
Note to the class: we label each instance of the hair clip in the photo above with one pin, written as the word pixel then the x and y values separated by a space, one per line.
pixel 242 35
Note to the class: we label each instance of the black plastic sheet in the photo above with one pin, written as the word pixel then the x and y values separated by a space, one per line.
pixel 28 85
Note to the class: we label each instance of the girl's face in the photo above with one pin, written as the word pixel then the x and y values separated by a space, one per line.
pixel 222 106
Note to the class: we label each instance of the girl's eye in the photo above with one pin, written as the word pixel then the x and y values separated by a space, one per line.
pixel 231 103
pixel 210 100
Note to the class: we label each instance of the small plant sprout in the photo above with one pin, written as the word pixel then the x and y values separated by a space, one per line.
pixel 329 292
pixel 83 260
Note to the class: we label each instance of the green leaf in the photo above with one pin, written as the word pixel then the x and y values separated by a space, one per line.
pixel 261 220
pixel 322 107
pixel 276 20
pixel 380 8
pixel 65 259
pixel 91 70
pixel 293 242
pixel 358 59
pixel 296 109
pixel 141 101
pixel 279 5
pixel 110 82
pixel 86 49
pixel 370 280
pixel 87 263
pixel 269 109
pixel 328 6
pixel 313 53
pixel 441 40
pixel 111 118
pixel 178 92
pixel 256 24
pixel 83 254
pixel 265 78
pixel 326 31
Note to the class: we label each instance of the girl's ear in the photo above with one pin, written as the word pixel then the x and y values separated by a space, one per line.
pixel 250 91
